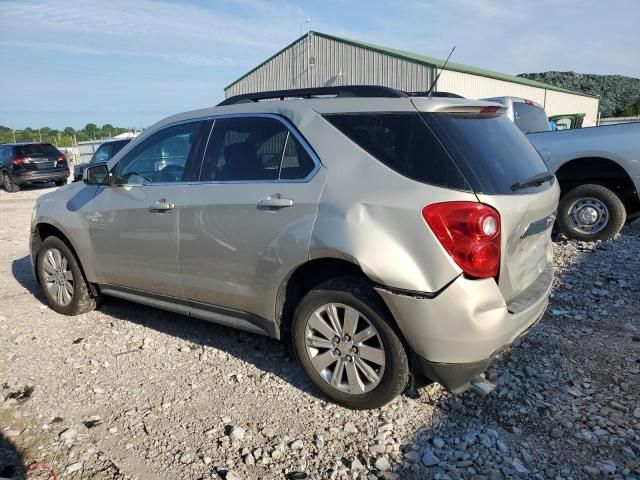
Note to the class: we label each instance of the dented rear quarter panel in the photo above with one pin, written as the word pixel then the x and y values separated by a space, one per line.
pixel 372 216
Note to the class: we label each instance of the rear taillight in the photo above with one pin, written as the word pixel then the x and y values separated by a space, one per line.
pixel 470 233
pixel 62 160
pixel 20 160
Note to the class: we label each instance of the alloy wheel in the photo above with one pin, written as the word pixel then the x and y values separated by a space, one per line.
pixel 58 278
pixel 345 348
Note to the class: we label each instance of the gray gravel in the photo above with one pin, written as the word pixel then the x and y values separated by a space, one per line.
pixel 133 392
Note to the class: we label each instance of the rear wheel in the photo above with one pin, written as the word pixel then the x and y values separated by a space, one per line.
pixel 590 213
pixel 61 278
pixel 345 342
pixel 60 183
pixel 8 185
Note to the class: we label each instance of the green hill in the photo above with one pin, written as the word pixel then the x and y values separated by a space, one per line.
pixel 619 96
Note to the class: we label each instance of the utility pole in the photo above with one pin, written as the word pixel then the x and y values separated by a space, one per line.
pixel 40 135
pixel 14 135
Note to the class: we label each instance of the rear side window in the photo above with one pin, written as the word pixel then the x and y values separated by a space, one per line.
pixel 490 149
pixel 254 148
pixel 530 118
pixel 404 143
pixel 37 150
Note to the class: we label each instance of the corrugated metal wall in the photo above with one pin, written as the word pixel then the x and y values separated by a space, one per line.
pixel 475 86
pixel 322 62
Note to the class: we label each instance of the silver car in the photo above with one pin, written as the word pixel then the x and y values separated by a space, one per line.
pixel 389 237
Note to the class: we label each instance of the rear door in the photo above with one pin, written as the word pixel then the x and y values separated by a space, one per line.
pixel 133 225
pixel 248 221
pixel 500 164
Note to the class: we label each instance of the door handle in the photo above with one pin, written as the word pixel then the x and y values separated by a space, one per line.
pixel 161 206
pixel 275 201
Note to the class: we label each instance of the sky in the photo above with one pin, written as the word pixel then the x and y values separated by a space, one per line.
pixel 132 62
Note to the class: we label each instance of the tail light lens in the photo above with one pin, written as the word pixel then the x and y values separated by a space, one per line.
pixel 20 160
pixel 470 233
pixel 62 160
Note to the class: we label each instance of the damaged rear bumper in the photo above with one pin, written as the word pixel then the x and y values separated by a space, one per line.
pixel 455 334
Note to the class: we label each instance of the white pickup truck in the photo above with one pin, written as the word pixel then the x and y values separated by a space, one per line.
pixel 598 169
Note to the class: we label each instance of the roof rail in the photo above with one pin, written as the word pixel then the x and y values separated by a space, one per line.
pixel 342 91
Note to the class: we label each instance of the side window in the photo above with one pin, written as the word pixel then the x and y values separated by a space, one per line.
pixel 258 148
pixel 244 149
pixel 160 158
pixel 296 162
pixel 404 143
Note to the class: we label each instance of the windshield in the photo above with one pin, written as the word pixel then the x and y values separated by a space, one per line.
pixel 529 118
pixel 491 151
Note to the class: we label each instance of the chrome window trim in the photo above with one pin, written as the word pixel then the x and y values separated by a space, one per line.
pixel 288 125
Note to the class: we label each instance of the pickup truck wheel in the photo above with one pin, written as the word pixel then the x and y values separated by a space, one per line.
pixel 344 340
pixel 8 184
pixel 61 278
pixel 590 213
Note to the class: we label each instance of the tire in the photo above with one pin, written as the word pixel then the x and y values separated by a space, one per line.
pixel 349 294
pixel 80 300
pixel 8 184
pixel 60 183
pixel 609 216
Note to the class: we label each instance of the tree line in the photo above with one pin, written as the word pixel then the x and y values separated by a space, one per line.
pixel 61 138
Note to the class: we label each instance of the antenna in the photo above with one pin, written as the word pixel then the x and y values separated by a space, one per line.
pixel 435 82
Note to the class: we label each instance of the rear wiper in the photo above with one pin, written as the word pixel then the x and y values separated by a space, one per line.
pixel 534 181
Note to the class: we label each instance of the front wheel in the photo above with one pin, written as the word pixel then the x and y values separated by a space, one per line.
pixel 61 278
pixel 590 213
pixel 346 343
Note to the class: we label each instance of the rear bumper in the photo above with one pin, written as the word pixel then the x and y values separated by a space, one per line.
pixel 26 178
pixel 466 324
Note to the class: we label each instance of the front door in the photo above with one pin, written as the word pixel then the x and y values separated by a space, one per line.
pixel 133 225
pixel 248 222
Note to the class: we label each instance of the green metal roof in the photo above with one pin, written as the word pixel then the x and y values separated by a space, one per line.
pixel 421 59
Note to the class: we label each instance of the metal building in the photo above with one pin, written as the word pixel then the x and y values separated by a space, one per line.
pixel 317 59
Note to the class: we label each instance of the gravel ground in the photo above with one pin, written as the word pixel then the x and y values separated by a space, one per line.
pixel 134 392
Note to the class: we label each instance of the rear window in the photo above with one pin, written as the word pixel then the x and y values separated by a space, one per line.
pixel 404 143
pixel 37 150
pixel 529 118
pixel 493 154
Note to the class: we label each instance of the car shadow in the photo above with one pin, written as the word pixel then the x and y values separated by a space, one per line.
pixel 21 270
pixel 267 354
pixel 11 461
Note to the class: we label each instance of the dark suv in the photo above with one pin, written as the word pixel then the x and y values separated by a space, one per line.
pixel 102 154
pixel 28 163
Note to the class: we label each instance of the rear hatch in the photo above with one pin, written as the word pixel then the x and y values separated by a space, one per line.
pixel 507 173
pixel 41 157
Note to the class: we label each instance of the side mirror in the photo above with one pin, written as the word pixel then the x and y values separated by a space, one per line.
pixel 96 175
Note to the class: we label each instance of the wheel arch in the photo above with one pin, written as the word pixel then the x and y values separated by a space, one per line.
pixel 41 232
pixel 600 171
pixel 304 278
